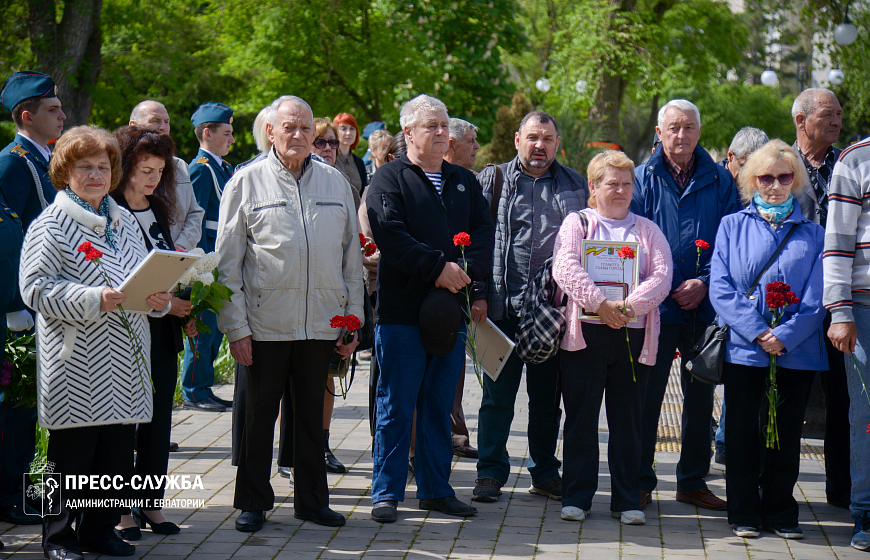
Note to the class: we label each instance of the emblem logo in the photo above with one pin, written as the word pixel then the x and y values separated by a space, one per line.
pixel 460 187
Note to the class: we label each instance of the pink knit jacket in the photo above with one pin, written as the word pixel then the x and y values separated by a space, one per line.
pixel 582 292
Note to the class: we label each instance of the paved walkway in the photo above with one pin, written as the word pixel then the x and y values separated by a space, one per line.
pixel 519 526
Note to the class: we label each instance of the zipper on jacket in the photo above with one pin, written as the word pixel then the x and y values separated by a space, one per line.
pixel 308 256
pixel 329 204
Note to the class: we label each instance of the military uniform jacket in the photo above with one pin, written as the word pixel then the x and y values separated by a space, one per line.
pixel 11 239
pixel 208 178
pixel 25 196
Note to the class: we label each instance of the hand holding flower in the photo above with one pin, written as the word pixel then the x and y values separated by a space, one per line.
pixel 190 328
pixel 110 299
pixel 180 307
pixel 452 277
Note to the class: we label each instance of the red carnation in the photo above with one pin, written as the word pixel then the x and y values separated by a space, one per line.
pixel 779 287
pixel 701 244
pixel 370 249
pixel 462 239
pixel 337 322
pixel 791 298
pixel 626 253
pixel 352 323
pixel 775 300
pixel 85 247
pixel 362 240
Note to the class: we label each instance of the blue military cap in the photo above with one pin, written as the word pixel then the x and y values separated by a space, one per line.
pixel 212 112
pixel 24 85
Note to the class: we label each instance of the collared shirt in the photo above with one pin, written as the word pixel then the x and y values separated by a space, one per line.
pixel 681 176
pixel 533 211
pixel 820 178
pixel 347 165
pixel 44 151
pixel 219 159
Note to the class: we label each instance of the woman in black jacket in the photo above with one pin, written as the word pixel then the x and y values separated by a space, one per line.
pixel 147 190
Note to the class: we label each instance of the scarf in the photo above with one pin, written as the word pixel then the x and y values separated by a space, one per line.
pixel 104 212
pixel 773 213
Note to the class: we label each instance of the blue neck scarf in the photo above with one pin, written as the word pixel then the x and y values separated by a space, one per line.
pixel 773 213
pixel 104 212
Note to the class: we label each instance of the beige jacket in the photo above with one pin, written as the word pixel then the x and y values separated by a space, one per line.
pixel 290 252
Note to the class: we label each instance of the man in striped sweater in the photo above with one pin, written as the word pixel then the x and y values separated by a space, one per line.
pixel 847 297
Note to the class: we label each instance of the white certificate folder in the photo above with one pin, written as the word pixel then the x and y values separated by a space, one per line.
pixel 159 271
pixel 493 348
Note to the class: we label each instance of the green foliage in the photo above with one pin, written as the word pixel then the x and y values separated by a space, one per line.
pixel 208 298
pixel 503 148
pixel 18 380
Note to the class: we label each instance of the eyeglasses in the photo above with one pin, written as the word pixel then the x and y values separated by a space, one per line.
pixel 320 143
pixel 784 179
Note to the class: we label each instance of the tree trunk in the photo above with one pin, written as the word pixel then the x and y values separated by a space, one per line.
pixel 68 51
pixel 608 102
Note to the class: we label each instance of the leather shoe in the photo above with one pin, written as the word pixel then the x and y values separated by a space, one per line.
pixel 173 447
pixel 465 451
pixel 703 498
pixel 112 546
pixel 323 516
pixel 63 554
pixel 226 403
pixel 333 465
pixel 386 511
pixel 286 472
pixel 207 405
pixel 645 499
pixel 250 521
pixel 129 534
pixel 16 516
pixel 449 505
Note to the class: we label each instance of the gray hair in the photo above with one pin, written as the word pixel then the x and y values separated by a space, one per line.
pixel 259 130
pixel 413 110
pixel 805 103
pixel 681 105
pixel 746 141
pixel 542 117
pixel 273 108
pixel 139 111
pixel 459 127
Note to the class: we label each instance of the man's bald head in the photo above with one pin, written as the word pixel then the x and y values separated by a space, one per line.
pixel 150 114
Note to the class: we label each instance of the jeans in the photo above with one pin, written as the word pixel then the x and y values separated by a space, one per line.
pixel 497 414
pixel 859 413
pixel 197 374
pixel 409 378
pixel 697 410
pixel 601 370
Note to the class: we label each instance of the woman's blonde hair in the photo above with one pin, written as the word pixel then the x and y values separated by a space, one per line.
pixel 775 150
pixel 81 142
pixel 598 167
pixel 320 127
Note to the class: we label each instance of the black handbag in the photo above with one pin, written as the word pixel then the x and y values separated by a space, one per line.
pixel 708 355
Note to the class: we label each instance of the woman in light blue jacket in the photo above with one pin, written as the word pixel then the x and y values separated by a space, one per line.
pixel 744 244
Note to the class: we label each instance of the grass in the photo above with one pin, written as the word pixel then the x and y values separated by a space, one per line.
pixel 223 369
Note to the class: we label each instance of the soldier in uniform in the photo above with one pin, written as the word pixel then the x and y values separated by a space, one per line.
pixel 213 126
pixel 25 189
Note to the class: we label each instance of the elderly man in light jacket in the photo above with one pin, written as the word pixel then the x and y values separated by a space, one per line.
pixel 289 246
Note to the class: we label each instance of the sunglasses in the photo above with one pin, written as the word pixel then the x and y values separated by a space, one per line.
pixel 784 179
pixel 320 143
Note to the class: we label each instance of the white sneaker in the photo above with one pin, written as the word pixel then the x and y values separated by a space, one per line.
pixel 630 517
pixel 571 513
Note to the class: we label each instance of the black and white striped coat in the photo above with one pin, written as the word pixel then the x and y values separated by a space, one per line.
pixel 87 375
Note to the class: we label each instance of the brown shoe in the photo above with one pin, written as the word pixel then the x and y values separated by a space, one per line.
pixel 645 499
pixel 704 499
pixel 465 451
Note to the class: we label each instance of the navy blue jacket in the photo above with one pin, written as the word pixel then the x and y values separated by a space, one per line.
pixel 208 195
pixel 683 218
pixel 11 239
pixel 16 179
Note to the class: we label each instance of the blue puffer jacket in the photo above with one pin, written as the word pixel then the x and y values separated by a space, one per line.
pixel 744 244
pixel 684 217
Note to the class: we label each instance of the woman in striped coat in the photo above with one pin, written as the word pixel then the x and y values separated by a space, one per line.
pixel 90 391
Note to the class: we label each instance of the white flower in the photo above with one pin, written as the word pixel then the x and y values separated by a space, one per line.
pixel 206 278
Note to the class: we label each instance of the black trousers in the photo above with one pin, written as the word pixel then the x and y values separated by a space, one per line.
pixel 603 369
pixel 240 391
pixel 17 444
pixel 748 460
pixel 838 479
pixel 302 365
pixel 92 450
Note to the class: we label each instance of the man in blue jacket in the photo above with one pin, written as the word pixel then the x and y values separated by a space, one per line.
pixel 686 194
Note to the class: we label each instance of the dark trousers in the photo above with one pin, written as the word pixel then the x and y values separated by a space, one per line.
pixel 17 443
pixel 303 365
pixel 458 429
pixel 152 438
pixel 92 450
pixel 838 480
pixel 697 410
pixel 748 460
pixel 240 392
pixel 602 369
pixel 497 414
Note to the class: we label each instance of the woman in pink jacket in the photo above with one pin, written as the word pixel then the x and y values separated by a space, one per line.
pixel 594 353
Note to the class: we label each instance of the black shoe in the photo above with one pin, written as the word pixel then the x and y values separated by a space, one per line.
pixel 16 515
pixel 129 534
pixel 449 505
pixel 486 490
pixel 286 472
pixel 173 447
pixel 63 554
pixel 386 511
pixel 551 489
pixel 250 521
pixel 165 528
pixel 207 405
pixel 323 516
pixel 226 403
pixel 113 546
pixel 333 465
pixel 840 502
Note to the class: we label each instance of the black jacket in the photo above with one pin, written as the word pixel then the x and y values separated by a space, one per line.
pixel 414 227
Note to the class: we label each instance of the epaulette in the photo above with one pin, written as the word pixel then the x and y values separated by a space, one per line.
pixel 202 159
pixel 18 151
